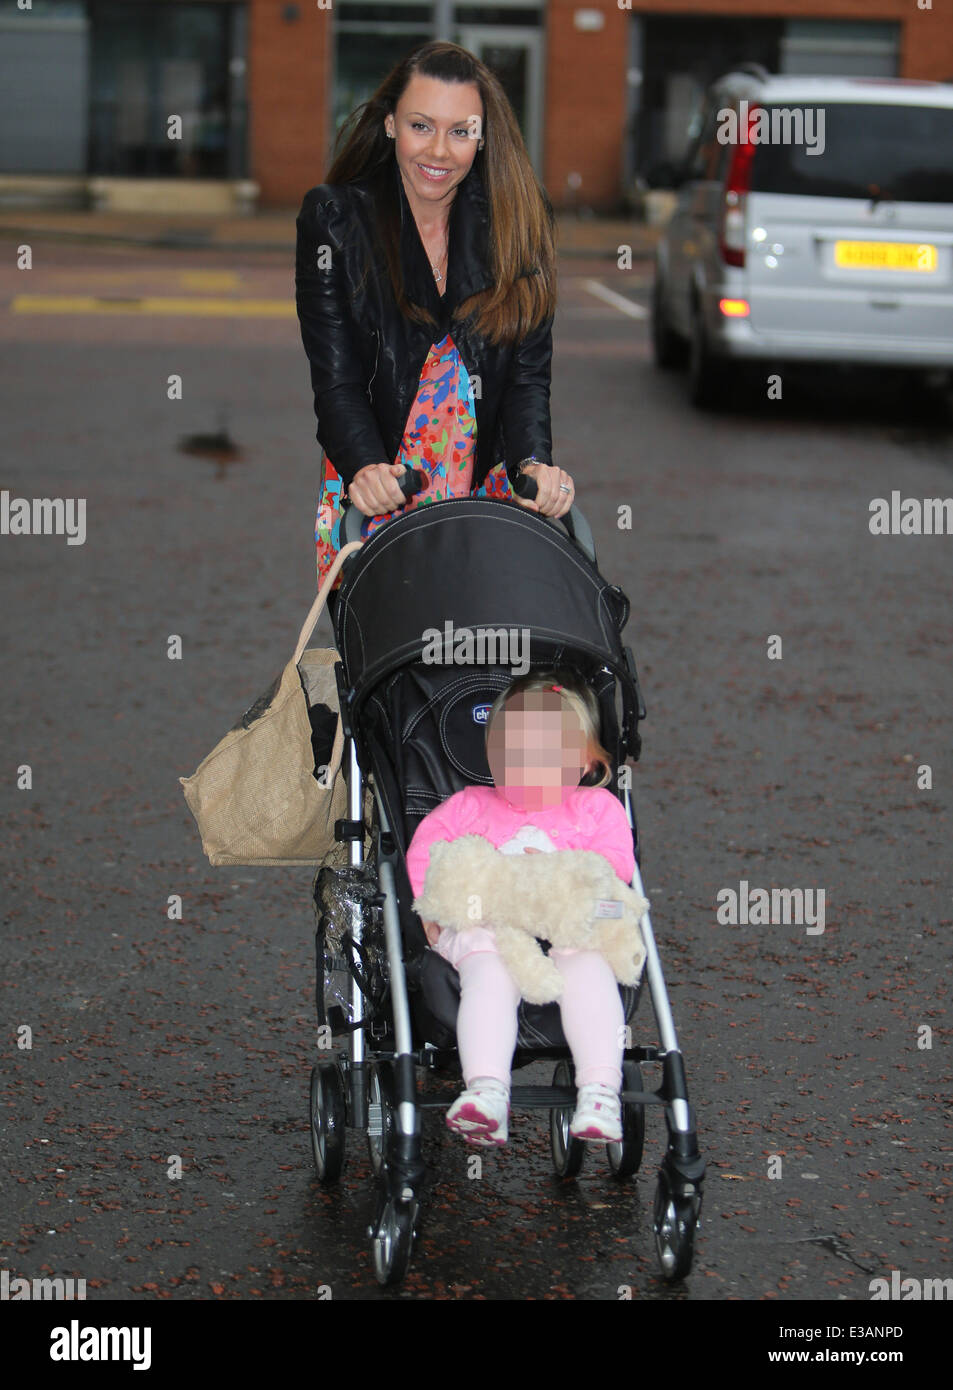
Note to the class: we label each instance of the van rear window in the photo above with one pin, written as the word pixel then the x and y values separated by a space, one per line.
pixel 859 151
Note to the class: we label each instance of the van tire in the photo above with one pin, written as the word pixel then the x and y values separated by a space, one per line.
pixel 669 348
pixel 707 374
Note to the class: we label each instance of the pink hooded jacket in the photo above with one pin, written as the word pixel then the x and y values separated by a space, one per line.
pixel 587 818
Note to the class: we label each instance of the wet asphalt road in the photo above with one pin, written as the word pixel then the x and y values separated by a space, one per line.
pixel 154 1037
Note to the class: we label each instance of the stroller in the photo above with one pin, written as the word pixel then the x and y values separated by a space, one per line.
pixel 415 730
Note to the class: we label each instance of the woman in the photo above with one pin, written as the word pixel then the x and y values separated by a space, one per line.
pixel 426 289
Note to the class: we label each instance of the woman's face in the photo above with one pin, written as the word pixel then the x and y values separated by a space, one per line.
pixel 437 126
pixel 536 749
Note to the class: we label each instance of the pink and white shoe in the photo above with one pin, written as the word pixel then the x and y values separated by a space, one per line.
pixel 598 1114
pixel 481 1112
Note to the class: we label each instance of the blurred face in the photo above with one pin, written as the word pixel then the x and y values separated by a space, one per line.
pixel 536 749
pixel 437 126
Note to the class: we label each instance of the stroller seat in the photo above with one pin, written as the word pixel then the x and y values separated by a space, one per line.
pixel 425 733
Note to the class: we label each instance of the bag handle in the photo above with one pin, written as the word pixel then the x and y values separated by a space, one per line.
pixel 319 602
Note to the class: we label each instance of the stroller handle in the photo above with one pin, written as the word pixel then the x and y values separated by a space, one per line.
pixel 413 480
pixel 573 520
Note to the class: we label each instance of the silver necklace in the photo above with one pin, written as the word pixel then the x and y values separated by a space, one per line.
pixel 435 267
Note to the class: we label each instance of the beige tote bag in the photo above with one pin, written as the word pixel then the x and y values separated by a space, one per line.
pixel 255 797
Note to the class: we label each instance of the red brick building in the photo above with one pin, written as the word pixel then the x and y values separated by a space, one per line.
pixel 601 89
pixel 618 80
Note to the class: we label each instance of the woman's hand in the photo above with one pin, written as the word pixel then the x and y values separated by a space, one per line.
pixel 374 490
pixel 549 499
pixel 432 930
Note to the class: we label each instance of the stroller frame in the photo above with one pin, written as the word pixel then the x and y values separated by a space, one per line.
pixel 374 1088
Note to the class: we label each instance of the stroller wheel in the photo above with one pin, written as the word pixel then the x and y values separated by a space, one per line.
pixel 381 1116
pixel 328 1121
pixel 392 1240
pixel 568 1152
pixel 625 1158
pixel 675 1222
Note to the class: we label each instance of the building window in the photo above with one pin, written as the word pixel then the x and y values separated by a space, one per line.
pixel 152 61
pixel 44 57
pixel 681 55
pixel 364 56
pixel 371 38
pixel 840 48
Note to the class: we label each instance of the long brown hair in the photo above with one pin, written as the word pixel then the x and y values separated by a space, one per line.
pixel 522 234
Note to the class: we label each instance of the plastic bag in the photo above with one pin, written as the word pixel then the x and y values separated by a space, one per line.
pixel 343 906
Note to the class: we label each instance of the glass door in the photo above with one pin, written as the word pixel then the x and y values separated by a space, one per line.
pixel 153 61
pixel 515 55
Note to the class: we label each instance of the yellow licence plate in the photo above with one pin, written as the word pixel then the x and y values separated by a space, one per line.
pixel 885 255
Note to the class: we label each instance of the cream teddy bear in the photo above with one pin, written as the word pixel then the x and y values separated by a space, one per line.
pixel 570 897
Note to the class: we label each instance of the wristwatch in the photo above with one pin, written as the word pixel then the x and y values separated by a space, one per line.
pixel 522 463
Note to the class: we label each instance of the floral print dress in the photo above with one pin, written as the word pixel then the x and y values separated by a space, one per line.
pixel 439 439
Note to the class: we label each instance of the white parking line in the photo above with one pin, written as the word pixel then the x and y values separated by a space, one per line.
pixel 618 301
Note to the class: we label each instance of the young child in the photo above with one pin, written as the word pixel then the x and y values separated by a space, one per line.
pixel 542 741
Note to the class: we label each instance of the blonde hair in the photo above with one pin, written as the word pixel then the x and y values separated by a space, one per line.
pixel 579 697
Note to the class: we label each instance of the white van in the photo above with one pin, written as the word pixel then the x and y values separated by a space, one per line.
pixel 815 222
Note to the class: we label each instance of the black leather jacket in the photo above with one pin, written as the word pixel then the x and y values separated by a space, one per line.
pixel 366 357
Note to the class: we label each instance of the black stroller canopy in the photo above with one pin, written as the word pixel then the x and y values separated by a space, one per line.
pixel 468 565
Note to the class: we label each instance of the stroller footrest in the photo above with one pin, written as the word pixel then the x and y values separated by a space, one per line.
pixel 561 1096
pixel 543 1096
pixel 533 1097
pixel 524 1096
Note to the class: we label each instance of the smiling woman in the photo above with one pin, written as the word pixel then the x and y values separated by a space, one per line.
pixel 426 291
pixel 436 152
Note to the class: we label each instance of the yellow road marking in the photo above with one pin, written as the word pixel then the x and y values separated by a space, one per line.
pixel 208 279
pixel 193 306
pixel 187 279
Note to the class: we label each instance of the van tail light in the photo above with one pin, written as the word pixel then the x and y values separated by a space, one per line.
pixel 737 185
